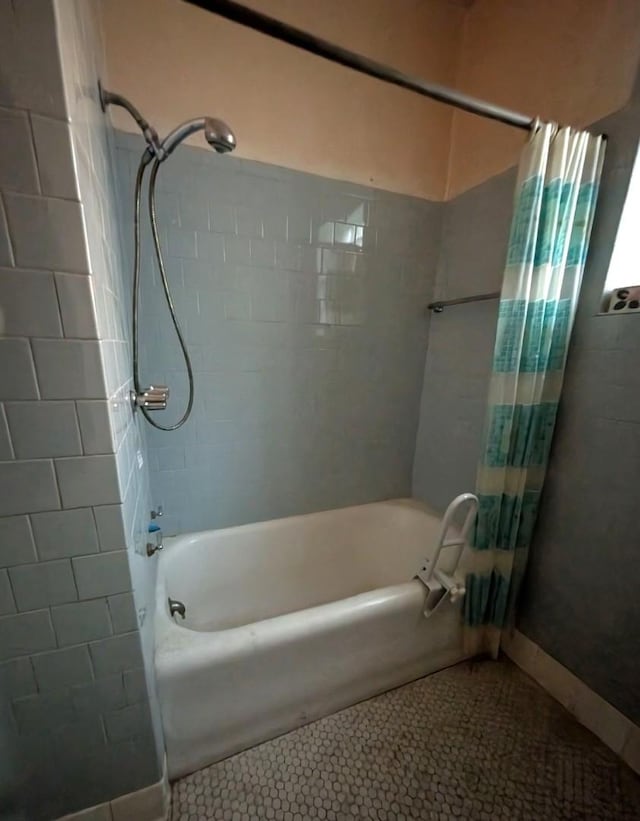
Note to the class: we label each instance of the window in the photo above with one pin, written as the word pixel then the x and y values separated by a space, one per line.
pixel 622 286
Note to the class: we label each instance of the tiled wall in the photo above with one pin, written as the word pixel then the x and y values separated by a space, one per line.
pixel 81 48
pixel 70 498
pixel 475 231
pixel 302 301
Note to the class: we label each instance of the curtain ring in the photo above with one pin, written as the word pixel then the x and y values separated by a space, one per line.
pixel 536 125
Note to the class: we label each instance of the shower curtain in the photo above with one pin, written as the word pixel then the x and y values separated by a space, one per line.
pixel 554 204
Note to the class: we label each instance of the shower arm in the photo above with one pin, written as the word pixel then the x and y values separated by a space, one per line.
pixel 178 135
pixel 149 133
pixel 156 148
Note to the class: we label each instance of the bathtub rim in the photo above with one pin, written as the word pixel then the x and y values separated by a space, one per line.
pixel 407 502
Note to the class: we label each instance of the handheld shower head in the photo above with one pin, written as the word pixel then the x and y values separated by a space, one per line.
pixel 219 136
pixel 222 139
pixel 217 133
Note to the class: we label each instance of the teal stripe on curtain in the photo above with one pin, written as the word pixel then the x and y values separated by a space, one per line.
pixel 486 599
pixel 543 222
pixel 532 336
pixel 505 522
pixel 523 236
pixel 519 435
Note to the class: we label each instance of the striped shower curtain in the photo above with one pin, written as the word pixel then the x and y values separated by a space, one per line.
pixel 554 205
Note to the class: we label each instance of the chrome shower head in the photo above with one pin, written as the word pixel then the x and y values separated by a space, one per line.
pixel 217 133
pixel 219 136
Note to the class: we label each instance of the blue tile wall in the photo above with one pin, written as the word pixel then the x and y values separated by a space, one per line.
pixel 73 499
pixel 116 572
pixel 475 231
pixel 302 300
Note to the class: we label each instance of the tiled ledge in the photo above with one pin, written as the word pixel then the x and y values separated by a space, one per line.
pixel 612 727
pixel 152 803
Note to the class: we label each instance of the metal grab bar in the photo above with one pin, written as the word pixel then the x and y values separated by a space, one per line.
pixel 439 306
pixel 440 583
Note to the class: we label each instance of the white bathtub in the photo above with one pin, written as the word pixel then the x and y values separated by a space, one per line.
pixel 290 620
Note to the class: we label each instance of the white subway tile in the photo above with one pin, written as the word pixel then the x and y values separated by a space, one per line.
pixel 18 373
pixel 110 526
pixel 27 487
pixel 18 170
pixel 102 574
pixel 28 303
pixel 6 252
pixel 43 584
pixel 26 633
pixel 123 615
pixel 128 722
pixel 62 668
pixel 69 369
pixel 18 678
pixel 29 59
pixel 117 654
pixel 81 622
pixel 64 533
pixel 105 693
pixel 43 712
pixel 88 480
pixel 41 429
pixel 115 374
pixel 7 602
pixel 54 154
pixel 95 427
pixel 120 415
pixel 16 540
pixel 6 449
pixel 47 233
pixel 77 306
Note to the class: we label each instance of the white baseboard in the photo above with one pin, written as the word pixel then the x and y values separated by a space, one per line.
pixel 613 728
pixel 152 803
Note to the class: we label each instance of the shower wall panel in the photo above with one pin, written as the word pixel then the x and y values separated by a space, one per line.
pixel 303 304
pixel 76 714
pixel 475 230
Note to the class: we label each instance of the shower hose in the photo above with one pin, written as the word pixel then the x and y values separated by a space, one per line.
pixel 144 162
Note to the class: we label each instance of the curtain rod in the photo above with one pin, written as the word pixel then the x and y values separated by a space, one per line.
pixel 336 54
pixel 438 307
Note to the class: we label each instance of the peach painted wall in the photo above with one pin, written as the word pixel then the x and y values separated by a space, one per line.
pixel 573 61
pixel 569 60
pixel 175 61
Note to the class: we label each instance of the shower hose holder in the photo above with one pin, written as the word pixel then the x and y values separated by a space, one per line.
pixel 153 398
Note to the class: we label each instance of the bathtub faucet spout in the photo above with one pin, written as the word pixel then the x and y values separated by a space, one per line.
pixel 177 607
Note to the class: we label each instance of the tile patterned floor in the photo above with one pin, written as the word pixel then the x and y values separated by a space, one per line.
pixel 477 741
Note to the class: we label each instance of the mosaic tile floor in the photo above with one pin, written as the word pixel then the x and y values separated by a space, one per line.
pixel 476 741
